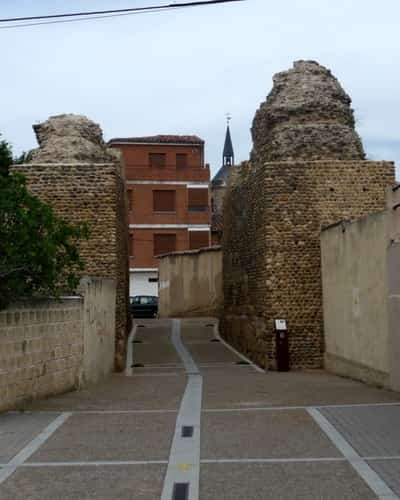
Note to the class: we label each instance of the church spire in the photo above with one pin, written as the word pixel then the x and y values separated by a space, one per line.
pixel 228 157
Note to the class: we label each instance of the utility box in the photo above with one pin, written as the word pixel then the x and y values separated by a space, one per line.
pixel 282 346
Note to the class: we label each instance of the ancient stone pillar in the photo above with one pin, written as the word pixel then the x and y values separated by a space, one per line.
pixel 83 181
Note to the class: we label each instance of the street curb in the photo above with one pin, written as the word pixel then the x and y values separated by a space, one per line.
pixel 228 346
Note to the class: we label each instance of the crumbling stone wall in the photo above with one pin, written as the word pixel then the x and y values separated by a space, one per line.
pixel 273 214
pixel 89 191
pixel 70 138
pixel 307 115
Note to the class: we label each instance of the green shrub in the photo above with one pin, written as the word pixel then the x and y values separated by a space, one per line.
pixel 38 250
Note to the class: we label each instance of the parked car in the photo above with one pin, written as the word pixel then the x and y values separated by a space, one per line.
pixel 144 306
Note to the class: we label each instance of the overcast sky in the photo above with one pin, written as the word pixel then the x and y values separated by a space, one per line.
pixel 180 72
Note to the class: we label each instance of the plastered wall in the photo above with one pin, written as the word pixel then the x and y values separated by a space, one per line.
pixel 361 297
pixel 190 283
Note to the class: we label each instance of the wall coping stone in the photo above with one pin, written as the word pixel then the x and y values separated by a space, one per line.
pixel 64 164
pixel 41 301
pixel 351 222
pixel 198 251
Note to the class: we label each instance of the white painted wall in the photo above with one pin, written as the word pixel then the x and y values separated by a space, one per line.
pixel 355 298
pixel 361 296
pixel 98 328
pixel 191 283
pixel 139 283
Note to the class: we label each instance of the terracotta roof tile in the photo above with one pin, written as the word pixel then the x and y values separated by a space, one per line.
pixel 159 139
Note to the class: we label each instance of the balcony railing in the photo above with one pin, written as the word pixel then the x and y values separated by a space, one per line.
pixel 145 172
pixel 172 166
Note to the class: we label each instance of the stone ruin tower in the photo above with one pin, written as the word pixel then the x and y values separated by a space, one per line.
pixel 307 169
pixel 83 180
pixel 306 116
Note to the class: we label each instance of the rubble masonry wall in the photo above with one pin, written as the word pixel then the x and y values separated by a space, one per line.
pixel 273 215
pixel 93 193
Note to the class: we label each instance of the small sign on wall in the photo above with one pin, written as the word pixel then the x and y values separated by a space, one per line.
pixel 280 324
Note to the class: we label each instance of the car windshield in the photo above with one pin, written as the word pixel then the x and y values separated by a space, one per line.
pixel 144 300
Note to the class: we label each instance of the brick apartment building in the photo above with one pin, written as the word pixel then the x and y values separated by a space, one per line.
pixel 168 197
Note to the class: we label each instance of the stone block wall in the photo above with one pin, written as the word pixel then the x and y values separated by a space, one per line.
pixel 93 193
pixel 273 215
pixel 41 350
pixel 49 347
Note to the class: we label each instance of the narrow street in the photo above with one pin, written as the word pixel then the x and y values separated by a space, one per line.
pixel 191 419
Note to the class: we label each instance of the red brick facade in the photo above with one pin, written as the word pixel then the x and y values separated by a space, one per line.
pixel 168 194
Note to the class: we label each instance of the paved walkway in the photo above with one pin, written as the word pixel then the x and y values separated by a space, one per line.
pixel 191 421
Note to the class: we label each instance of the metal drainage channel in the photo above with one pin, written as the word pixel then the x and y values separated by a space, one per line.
pixel 187 431
pixel 181 491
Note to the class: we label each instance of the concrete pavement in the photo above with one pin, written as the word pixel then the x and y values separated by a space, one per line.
pixel 250 435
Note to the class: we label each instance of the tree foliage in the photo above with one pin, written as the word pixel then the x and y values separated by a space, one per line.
pixel 6 157
pixel 38 250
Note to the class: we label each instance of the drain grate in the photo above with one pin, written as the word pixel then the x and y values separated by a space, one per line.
pixel 215 340
pixel 187 431
pixel 181 491
pixel 137 342
pixel 137 365
pixel 242 363
pixel 141 326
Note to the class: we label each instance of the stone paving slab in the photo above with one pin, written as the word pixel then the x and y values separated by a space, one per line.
pixel 163 323
pixel 198 321
pixel 109 437
pixel 227 390
pixel 371 430
pixel 121 393
pixel 149 354
pixel 211 353
pixel 159 371
pixel 18 429
pixel 305 481
pixel 389 471
pixel 226 368
pixel 156 335
pixel 138 482
pixel 201 333
pixel 276 434
pixel 272 434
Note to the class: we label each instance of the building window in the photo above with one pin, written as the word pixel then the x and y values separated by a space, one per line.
pixel 130 200
pixel 153 280
pixel 130 248
pixel 199 239
pixel 157 160
pixel 181 160
pixel 164 201
pixel 197 200
pixel 164 243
